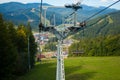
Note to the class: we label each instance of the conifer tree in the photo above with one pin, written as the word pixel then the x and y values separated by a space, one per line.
pixel 8 53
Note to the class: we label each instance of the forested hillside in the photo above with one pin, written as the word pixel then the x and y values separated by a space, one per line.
pixel 102 26
pixel 101 37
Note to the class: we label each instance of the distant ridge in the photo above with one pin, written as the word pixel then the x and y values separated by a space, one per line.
pixel 19 13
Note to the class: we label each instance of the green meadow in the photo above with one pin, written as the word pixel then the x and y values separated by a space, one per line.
pixel 78 68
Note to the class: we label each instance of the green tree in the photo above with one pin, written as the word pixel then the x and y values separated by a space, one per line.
pixel 8 53
pixel 22 62
pixel 32 45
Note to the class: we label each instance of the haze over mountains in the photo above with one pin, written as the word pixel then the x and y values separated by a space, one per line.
pixel 20 13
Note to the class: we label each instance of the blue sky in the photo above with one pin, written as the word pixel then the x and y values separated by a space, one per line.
pixel 95 3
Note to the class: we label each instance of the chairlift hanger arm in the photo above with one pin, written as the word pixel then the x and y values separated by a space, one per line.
pixel 74 6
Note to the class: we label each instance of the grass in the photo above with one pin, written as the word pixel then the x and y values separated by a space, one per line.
pixel 79 68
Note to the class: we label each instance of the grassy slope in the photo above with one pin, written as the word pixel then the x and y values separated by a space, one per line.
pixel 80 68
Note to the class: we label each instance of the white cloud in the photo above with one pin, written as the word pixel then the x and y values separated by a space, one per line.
pixel 104 0
pixel 75 1
pixel 107 0
pixel 115 0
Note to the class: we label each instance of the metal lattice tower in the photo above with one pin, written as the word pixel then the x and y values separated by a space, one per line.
pixel 60 72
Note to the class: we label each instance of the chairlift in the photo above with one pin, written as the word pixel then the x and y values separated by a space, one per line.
pixel 73 28
pixel 78 52
pixel 82 24
pixel 74 6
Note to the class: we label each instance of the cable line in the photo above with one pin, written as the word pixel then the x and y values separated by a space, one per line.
pixel 101 11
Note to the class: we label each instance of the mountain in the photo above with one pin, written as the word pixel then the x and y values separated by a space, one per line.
pixel 13 6
pixel 102 26
pixel 20 13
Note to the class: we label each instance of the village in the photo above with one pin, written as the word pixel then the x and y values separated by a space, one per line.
pixel 44 38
